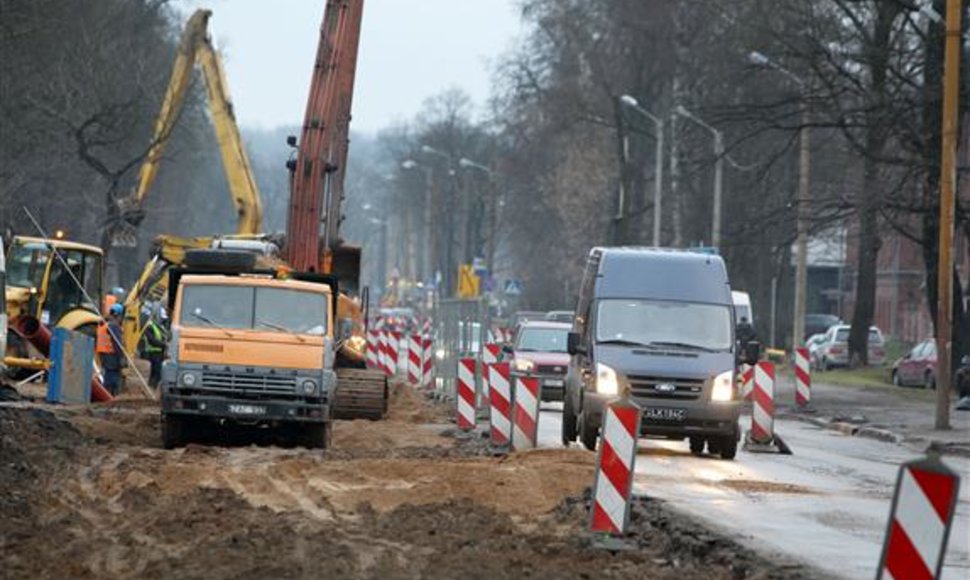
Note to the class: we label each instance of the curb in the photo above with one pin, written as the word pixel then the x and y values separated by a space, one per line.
pixel 853 430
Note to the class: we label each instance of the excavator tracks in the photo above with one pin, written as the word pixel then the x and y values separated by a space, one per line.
pixel 361 394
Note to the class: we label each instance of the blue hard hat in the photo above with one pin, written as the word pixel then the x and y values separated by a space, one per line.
pixel 117 309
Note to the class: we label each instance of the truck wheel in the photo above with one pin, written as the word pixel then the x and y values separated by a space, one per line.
pixel 588 435
pixel 317 436
pixel 568 421
pixel 175 431
pixel 697 445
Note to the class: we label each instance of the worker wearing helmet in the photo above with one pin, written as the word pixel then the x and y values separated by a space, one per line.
pixel 109 349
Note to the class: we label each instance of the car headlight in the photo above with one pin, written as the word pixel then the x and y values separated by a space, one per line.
pixel 308 387
pixel 188 379
pixel 723 389
pixel 440 354
pixel 606 380
pixel 523 365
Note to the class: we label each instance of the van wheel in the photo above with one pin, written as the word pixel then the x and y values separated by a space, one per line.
pixel 697 445
pixel 588 435
pixel 175 431
pixel 728 447
pixel 568 421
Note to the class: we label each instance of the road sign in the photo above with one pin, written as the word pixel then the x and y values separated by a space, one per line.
pixel 513 287
pixel 467 281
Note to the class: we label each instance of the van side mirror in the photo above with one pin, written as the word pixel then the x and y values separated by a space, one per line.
pixel 574 344
pixel 751 352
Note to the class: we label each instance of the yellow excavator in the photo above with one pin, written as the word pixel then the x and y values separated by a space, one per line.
pixel 195 47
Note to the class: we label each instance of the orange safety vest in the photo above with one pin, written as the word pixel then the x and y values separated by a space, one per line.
pixel 104 343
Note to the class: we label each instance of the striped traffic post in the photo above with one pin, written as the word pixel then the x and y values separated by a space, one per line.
pixel 525 417
pixel 747 381
pixel 490 356
pixel 371 357
pixel 465 399
pixel 763 410
pixel 919 520
pixel 427 362
pixel 615 465
pixel 500 405
pixel 414 359
pixel 399 355
pixel 803 378
pixel 382 351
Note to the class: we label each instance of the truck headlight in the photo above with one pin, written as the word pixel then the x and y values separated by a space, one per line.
pixel 524 366
pixel 722 391
pixel 606 380
pixel 188 379
pixel 308 387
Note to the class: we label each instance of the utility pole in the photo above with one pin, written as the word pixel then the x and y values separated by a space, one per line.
pixel 658 162
pixel 948 182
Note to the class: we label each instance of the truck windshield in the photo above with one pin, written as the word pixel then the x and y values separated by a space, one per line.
pixel 649 322
pixel 542 340
pixel 249 307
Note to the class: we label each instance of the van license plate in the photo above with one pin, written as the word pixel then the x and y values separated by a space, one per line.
pixel 247 409
pixel 554 382
pixel 665 414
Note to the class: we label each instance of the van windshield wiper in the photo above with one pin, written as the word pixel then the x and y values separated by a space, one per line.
pixel 211 323
pixel 683 345
pixel 280 328
pixel 625 342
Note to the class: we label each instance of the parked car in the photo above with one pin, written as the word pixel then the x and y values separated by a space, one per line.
pixel 917 367
pixel 540 350
pixel 834 349
pixel 813 344
pixel 560 316
pixel 820 323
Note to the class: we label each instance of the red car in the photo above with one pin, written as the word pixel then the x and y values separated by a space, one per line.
pixel 918 367
pixel 540 351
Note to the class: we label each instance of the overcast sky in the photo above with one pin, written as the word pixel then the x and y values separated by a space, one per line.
pixel 409 50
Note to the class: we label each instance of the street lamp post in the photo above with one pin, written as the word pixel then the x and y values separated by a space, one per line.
pixel 409 165
pixel 448 274
pixel 718 172
pixel 493 211
pixel 803 201
pixel 658 172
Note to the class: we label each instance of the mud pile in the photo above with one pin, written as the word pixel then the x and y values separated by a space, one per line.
pixel 94 496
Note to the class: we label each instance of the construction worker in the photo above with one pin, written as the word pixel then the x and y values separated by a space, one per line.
pixel 153 348
pixel 745 333
pixel 109 349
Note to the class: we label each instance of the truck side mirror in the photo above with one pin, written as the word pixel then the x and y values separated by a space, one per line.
pixel 751 352
pixel 574 344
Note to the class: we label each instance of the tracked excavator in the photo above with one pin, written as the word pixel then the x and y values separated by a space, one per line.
pixel 360 393
pixel 313 242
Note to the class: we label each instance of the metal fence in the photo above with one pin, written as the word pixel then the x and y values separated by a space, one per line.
pixel 460 330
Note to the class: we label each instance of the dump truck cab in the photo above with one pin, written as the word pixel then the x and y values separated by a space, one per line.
pixel 251 349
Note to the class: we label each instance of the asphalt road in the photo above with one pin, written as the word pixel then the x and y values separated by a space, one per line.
pixel 827 504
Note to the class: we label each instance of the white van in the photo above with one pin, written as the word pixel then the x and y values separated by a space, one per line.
pixel 742 306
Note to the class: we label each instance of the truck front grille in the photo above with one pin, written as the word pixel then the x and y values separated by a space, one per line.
pixel 666 388
pixel 248 383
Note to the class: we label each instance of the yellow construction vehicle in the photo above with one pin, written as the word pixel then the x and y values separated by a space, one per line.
pixel 42 284
pixel 195 47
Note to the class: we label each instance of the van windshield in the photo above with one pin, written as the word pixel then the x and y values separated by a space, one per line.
pixel 249 307
pixel 648 322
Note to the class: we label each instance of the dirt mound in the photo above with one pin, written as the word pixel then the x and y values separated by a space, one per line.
pixel 119 423
pixel 409 405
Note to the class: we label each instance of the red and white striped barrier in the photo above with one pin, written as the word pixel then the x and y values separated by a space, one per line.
pixel 763 410
pixel 525 419
pixel 415 353
pixel 919 520
pixel 382 351
pixel 371 357
pixel 747 381
pixel 426 327
pixel 614 468
pixel 490 356
pixel 500 403
pixel 393 352
pixel 465 399
pixel 803 378
pixel 427 362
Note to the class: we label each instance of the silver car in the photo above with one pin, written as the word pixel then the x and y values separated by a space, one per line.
pixel 833 350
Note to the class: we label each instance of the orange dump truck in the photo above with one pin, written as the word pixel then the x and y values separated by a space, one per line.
pixel 249 349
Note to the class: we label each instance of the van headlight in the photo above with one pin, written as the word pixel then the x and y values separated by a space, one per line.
pixel 440 354
pixel 722 391
pixel 524 366
pixel 606 380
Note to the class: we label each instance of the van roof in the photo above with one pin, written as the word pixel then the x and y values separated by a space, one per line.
pixel 663 274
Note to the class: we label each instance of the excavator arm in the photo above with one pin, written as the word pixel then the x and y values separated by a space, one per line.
pixel 195 47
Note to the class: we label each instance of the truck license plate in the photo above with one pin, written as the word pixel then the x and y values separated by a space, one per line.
pixel 665 414
pixel 247 409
